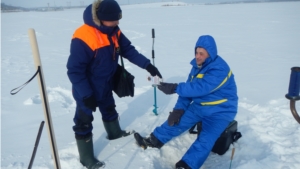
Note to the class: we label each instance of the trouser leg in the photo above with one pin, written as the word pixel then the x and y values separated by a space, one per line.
pixel 83 133
pixel 212 127
pixel 107 109
pixel 165 133
pixel 83 121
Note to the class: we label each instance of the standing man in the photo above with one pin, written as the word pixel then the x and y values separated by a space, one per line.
pixel 209 96
pixel 95 50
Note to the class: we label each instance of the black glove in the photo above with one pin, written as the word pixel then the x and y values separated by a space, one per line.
pixel 91 102
pixel 167 88
pixel 175 116
pixel 153 70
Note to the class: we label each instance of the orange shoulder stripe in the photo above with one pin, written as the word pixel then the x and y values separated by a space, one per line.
pixel 91 36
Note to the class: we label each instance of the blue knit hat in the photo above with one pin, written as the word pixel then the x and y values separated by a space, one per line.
pixel 109 10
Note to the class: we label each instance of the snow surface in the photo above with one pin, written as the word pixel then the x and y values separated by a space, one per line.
pixel 260 41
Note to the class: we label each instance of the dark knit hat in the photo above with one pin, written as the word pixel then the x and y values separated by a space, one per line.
pixel 109 10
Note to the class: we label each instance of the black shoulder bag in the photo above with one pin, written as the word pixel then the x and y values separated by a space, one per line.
pixel 123 84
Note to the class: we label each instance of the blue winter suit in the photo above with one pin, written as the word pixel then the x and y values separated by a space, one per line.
pixel 93 60
pixel 209 96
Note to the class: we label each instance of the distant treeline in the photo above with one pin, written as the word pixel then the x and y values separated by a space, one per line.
pixel 8 8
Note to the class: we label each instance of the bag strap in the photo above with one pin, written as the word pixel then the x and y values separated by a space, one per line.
pixel 122 61
pixel 120 51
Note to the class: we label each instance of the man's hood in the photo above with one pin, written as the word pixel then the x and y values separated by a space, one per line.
pixel 208 43
pixel 90 16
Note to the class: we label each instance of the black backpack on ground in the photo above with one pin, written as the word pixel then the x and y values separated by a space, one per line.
pixel 229 135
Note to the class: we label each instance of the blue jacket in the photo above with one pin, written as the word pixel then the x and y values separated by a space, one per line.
pixel 210 87
pixel 94 56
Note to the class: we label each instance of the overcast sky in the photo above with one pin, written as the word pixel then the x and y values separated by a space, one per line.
pixel 42 3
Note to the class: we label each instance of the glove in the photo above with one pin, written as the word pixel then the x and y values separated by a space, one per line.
pixel 91 102
pixel 153 70
pixel 167 88
pixel 175 116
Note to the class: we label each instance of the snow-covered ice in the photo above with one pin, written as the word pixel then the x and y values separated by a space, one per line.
pixel 260 41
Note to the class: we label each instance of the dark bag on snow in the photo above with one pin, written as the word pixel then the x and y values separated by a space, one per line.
pixel 229 135
pixel 123 84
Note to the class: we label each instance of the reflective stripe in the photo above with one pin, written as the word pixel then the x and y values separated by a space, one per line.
pixel 200 76
pixel 213 103
pixel 229 74
pixel 115 40
pixel 224 81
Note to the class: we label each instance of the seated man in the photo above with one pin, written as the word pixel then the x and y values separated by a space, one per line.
pixel 209 96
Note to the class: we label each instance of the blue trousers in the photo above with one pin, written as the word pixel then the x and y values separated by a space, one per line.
pixel 212 127
pixel 84 116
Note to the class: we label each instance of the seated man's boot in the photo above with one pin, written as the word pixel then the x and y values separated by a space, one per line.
pixel 182 165
pixel 86 153
pixel 114 131
pixel 152 141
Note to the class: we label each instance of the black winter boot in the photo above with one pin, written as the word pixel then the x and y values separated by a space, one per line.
pixel 86 153
pixel 152 141
pixel 182 165
pixel 114 131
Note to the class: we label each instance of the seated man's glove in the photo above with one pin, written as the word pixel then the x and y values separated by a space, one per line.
pixel 167 88
pixel 153 70
pixel 91 102
pixel 175 116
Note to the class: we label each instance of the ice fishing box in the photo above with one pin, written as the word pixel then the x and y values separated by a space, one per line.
pixel 229 135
